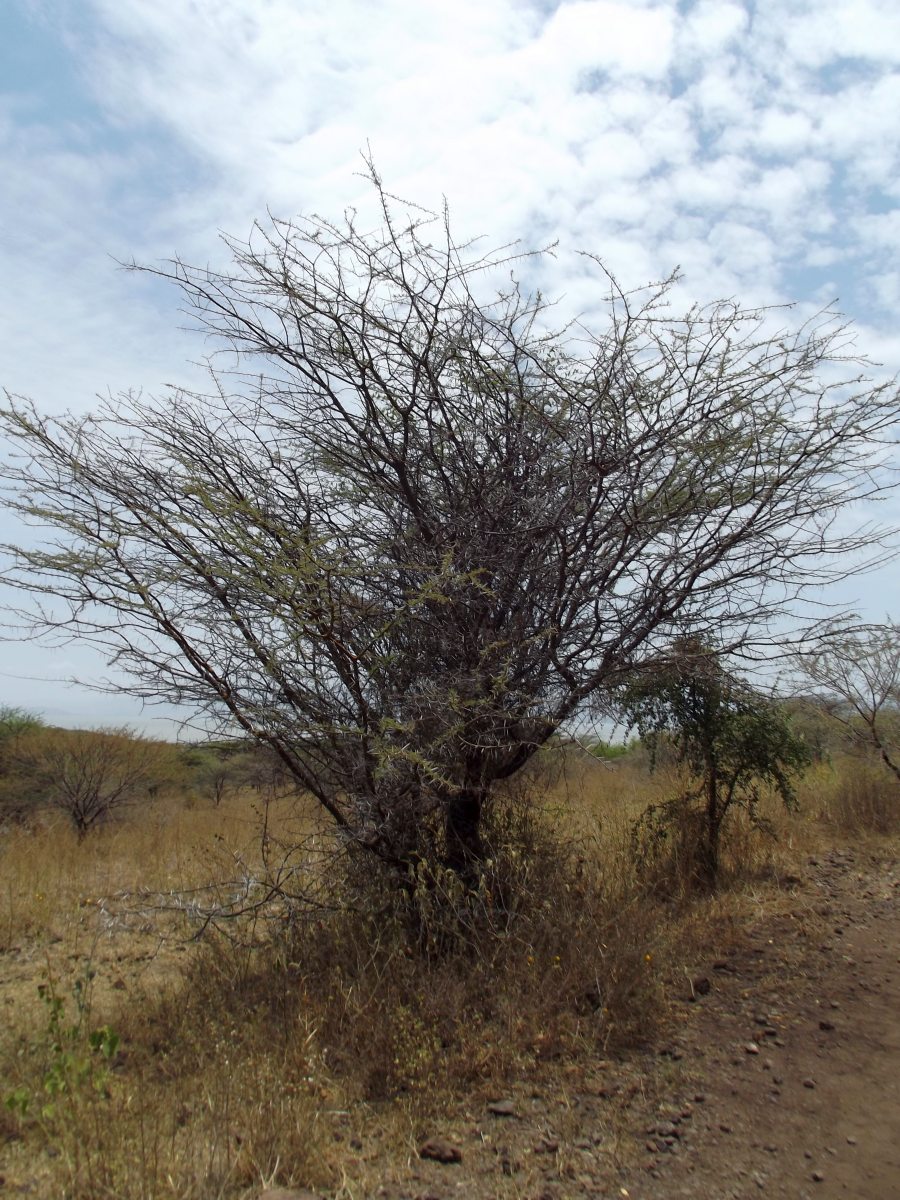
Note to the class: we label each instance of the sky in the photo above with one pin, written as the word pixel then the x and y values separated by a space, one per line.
pixel 753 144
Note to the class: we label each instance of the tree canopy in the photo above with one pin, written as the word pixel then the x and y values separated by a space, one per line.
pixel 410 531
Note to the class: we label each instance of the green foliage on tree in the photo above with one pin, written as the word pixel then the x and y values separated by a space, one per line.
pixel 734 742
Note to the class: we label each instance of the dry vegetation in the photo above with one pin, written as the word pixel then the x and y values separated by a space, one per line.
pixel 149 1065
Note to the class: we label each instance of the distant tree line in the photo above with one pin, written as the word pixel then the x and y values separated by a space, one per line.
pixel 91 774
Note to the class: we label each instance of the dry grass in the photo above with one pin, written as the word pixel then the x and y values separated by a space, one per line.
pixel 49 876
pixel 854 795
pixel 239 1053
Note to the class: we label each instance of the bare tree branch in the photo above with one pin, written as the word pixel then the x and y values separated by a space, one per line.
pixel 857 671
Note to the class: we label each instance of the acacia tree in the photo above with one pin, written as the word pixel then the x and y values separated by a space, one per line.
pixel 89 773
pixel 857 673
pixel 411 532
pixel 732 740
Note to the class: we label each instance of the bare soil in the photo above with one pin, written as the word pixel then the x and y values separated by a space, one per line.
pixel 779 1076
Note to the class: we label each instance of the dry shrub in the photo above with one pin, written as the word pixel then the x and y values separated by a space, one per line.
pixel 417 996
pixel 555 949
pixel 753 845
pixel 51 882
pixel 228 1071
pixel 667 846
pixel 666 842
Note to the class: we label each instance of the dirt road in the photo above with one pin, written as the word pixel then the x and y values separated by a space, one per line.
pixel 796 1053
pixel 781 1079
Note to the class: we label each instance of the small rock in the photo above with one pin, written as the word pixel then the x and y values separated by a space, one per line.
pixel 440 1150
pixel 818 1176
pixel 807 1154
pixel 809 1083
pixel 502 1108
pixel 826 1026
pixel 725 1128
pixel 700 987
pixel 546 1145
pixel 751 1048
pixel 851 1141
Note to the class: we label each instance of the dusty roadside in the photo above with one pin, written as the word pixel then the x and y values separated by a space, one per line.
pixel 781 1079
pixel 796 1051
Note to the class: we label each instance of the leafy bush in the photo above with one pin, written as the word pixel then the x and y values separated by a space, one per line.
pixel 732 743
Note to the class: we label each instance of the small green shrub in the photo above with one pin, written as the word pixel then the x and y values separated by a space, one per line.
pixel 75 1058
pixel 734 746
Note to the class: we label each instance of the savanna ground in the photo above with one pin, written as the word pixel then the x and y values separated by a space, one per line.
pixel 608 1033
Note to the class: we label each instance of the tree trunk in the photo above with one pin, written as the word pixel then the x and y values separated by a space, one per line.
pixel 882 750
pixel 709 850
pixel 462 825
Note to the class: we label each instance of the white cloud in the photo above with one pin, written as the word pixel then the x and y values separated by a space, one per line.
pixel 817 33
pixel 708 28
pixel 756 145
pixel 783 132
pixel 618 38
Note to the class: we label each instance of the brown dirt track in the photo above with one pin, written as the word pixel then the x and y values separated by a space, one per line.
pixel 782 1080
